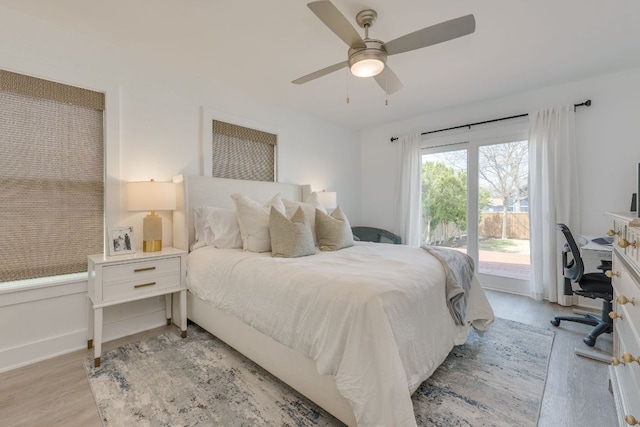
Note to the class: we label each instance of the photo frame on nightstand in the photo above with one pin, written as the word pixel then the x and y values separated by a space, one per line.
pixel 121 240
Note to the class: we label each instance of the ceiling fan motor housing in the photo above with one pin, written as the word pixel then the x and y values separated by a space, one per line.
pixel 372 50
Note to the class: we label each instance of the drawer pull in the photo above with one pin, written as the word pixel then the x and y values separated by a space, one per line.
pixel 622 300
pixel 611 274
pixel 623 243
pixel 631 420
pixel 612 233
pixel 615 315
pixel 139 270
pixel 628 358
pixel 144 284
pixel 616 362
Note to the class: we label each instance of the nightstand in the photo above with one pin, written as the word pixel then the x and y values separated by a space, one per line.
pixel 118 279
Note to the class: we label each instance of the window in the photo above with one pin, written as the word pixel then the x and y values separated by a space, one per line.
pixel 475 199
pixel 51 177
pixel 242 153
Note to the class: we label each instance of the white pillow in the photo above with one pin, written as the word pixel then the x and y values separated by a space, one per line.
pixel 225 229
pixel 290 238
pixel 253 219
pixel 204 233
pixel 309 209
pixel 334 231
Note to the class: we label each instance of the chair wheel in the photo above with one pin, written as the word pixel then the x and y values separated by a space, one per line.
pixel 555 322
pixel 589 341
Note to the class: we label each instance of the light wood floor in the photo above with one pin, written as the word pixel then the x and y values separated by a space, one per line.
pixel 56 392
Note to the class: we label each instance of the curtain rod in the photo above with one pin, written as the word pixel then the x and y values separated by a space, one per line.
pixel 586 103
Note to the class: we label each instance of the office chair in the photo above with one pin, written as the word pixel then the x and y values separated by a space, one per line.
pixel 378 235
pixel 592 285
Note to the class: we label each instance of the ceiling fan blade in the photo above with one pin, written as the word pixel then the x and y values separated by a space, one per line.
pixel 434 34
pixel 320 73
pixel 388 80
pixel 332 18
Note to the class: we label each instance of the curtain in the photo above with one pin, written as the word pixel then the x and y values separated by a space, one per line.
pixel 408 212
pixel 553 193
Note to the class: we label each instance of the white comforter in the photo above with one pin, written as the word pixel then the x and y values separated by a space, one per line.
pixel 374 315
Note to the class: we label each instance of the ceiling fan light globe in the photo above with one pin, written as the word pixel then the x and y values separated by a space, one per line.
pixel 367 68
pixel 368 61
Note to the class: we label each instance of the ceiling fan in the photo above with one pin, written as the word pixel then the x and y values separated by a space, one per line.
pixel 368 57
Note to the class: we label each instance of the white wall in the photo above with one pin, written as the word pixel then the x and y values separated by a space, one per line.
pixel 153 130
pixel 607 139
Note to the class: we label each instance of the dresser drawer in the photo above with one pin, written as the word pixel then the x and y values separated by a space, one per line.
pixel 141 270
pixel 628 375
pixel 633 235
pixel 620 227
pixel 625 285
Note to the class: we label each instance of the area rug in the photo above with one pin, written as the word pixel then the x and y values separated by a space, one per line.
pixel 494 380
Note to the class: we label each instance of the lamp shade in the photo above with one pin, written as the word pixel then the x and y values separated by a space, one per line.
pixel 151 196
pixel 329 199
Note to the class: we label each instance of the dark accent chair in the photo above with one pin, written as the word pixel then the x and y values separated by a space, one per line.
pixel 378 235
pixel 592 285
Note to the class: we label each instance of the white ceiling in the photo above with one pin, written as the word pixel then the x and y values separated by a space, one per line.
pixel 260 46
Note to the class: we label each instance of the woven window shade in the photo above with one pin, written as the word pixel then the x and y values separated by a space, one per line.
pixel 51 180
pixel 242 153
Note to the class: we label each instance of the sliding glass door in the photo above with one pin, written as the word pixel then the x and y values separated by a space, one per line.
pixel 475 200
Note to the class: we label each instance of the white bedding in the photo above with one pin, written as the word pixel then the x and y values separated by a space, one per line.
pixel 374 315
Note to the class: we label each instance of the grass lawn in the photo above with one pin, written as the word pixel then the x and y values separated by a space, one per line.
pixel 506 245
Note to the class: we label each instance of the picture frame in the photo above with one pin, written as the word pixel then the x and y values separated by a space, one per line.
pixel 121 240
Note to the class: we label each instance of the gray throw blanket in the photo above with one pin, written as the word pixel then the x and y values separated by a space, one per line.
pixel 458 268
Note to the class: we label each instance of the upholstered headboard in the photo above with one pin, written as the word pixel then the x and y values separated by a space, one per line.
pixel 193 191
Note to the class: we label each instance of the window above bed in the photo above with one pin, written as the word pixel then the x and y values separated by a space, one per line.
pixel 240 152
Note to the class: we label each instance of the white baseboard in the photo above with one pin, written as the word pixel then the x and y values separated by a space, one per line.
pixel 51 320
pixel 50 347
pixel 26 354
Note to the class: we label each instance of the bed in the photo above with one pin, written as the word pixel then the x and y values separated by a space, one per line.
pixel 358 334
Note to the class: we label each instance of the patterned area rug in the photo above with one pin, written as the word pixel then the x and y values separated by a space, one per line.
pixel 494 380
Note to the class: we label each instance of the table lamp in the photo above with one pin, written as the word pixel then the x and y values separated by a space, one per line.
pixel 151 196
pixel 329 199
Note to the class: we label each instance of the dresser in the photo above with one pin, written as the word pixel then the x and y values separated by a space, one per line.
pixel 119 279
pixel 625 277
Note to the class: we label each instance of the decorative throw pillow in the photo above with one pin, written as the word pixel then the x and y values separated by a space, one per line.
pixel 290 238
pixel 309 208
pixel 225 228
pixel 333 231
pixel 253 219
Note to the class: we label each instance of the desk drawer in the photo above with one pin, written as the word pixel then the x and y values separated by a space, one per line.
pixel 141 270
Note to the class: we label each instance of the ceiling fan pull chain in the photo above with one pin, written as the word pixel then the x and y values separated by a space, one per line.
pixel 386 90
pixel 347 86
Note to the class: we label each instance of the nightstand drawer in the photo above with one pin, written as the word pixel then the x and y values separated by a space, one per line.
pixel 139 287
pixel 141 270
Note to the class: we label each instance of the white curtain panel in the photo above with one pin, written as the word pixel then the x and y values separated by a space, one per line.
pixel 553 197
pixel 408 206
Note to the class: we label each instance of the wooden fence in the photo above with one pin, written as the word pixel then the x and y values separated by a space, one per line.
pixel 517 225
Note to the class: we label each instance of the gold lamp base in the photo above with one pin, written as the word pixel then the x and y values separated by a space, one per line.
pixel 152 233
pixel 151 245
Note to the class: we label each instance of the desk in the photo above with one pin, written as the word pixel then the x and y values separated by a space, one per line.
pixel 593 254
